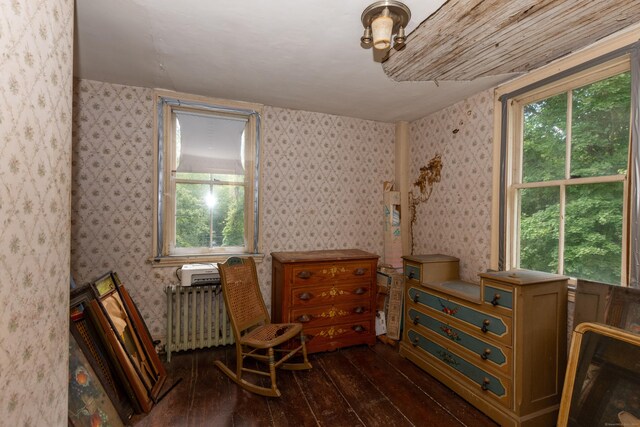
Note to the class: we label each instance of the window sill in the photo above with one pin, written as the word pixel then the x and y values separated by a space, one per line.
pixel 179 261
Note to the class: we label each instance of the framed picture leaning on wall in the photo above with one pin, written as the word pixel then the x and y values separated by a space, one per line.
pixel 129 338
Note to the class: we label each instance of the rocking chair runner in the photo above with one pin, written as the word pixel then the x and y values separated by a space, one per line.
pixel 255 335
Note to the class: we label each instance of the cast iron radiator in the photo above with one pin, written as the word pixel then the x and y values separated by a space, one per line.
pixel 196 318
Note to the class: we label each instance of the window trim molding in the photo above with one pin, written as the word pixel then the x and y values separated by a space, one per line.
pixel 622 44
pixel 164 101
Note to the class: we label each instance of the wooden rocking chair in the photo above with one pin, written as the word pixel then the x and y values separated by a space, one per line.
pixel 256 337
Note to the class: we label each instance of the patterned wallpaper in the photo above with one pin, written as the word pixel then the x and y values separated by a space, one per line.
pixel 112 193
pixel 322 181
pixel 36 39
pixel 457 218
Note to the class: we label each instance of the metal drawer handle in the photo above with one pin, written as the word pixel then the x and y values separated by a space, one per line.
pixel 485 325
pixel 305 318
pixel 359 271
pixel 411 275
pixel 305 296
pixel 415 341
pixel 358 310
pixel 485 384
pixel 304 274
pixel 358 328
pixel 485 354
pixel 360 291
pixel 495 299
pixel 416 298
pixel 416 320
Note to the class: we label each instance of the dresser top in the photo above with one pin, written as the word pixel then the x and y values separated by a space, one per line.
pixel 323 255
pixel 422 259
pixel 522 277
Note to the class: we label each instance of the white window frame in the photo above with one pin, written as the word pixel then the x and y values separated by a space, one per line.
pixel 514 177
pixel 608 47
pixel 167 103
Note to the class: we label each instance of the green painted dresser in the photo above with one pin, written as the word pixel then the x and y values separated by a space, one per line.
pixel 500 344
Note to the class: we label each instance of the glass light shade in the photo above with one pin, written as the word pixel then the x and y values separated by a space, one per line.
pixel 381 28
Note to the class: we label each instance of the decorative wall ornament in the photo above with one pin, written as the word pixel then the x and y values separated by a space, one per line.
pixel 428 176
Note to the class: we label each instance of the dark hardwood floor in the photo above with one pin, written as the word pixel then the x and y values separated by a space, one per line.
pixel 356 386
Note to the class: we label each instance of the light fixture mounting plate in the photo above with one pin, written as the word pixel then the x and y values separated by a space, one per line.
pixel 399 12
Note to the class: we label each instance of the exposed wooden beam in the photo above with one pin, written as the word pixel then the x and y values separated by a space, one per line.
pixel 467 39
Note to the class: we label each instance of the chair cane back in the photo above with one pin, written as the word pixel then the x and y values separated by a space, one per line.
pixel 256 337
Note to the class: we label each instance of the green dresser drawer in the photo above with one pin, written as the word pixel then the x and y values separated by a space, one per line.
pixel 412 272
pixel 498 297
pixel 493 325
pixel 477 349
pixel 488 383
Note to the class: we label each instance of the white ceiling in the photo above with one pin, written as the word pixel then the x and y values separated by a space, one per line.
pixel 298 54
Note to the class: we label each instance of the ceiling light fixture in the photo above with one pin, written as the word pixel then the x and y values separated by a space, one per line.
pixel 382 20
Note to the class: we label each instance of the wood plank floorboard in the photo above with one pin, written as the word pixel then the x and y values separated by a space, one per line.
pixel 355 386
pixel 416 404
pixel 327 404
pixel 463 411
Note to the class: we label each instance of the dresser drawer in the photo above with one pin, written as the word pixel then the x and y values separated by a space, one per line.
pixel 331 337
pixel 322 294
pixel 484 382
pixel 312 316
pixel 313 274
pixel 497 298
pixel 492 325
pixel 485 354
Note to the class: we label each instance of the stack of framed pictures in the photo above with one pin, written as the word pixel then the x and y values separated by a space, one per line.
pixel 112 335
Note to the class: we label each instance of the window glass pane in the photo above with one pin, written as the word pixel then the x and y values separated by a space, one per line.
pixel 544 144
pixel 593 232
pixel 600 127
pixel 539 228
pixel 209 215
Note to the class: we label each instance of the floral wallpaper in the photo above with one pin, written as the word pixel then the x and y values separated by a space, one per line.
pixel 457 218
pixel 112 193
pixel 321 185
pixel 36 39
pixel 322 181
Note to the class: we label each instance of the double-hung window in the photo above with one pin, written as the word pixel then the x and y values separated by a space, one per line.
pixel 566 186
pixel 207 178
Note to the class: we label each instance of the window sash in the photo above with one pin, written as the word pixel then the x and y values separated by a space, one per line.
pixel 164 217
pixel 514 161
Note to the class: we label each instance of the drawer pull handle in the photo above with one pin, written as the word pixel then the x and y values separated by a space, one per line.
pixel 305 318
pixel 495 299
pixel 305 296
pixel 485 325
pixel 485 354
pixel 485 384
pixel 360 291
pixel 416 320
pixel 360 271
pixel 415 341
pixel 358 310
pixel 416 298
pixel 304 274
pixel 358 328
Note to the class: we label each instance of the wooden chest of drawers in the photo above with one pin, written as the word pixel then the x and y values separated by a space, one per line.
pixel 500 344
pixel 331 292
